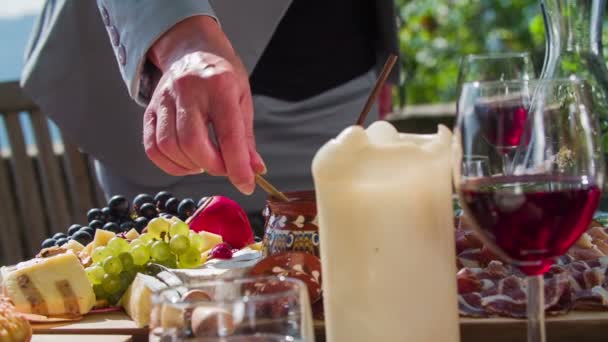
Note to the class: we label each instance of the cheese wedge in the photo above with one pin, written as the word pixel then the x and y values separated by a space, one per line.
pixel 132 234
pixel 137 300
pixel 210 240
pixel 74 246
pixel 101 238
pixel 50 286
pixel 87 250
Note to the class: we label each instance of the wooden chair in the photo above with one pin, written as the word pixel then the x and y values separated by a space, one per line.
pixel 44 187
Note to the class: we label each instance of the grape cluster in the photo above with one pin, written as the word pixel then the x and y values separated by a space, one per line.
pixel 168 241
pixel 119 216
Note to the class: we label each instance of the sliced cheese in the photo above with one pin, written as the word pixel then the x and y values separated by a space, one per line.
pixel 132 234
pixel 256 246
pixel 50 286
pixel 74 246
pixel 210 240
pixel 102 237
pixel 88 250
pixel 137 300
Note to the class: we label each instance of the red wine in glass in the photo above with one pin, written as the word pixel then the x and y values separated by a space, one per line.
pixel 531 219
pixel 503 122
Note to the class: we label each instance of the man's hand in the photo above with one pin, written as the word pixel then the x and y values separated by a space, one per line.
pixel 204 85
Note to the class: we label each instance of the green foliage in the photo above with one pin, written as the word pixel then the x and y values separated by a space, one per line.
pixel 436 33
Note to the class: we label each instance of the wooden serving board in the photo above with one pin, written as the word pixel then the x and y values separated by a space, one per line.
pixel 588 326
pixel 80 338
pixel 576 326
pixel 112 323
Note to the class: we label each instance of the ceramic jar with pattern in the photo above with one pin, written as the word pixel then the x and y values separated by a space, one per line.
pixel 291 226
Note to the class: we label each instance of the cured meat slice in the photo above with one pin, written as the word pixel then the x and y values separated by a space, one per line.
pixel 467 281
pixel 591 299
pixel 469 258
pixel 469 305
pixel 594 277
pixel 467 240
pixel 495 271
pixel 504 305
pixel 581 253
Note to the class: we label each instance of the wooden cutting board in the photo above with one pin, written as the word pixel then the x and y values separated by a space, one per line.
pixel 80 338
pixel 576 326
pixel 588 326
pixel 112 323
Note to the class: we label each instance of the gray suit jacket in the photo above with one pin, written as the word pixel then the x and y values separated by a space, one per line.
pixel 71 72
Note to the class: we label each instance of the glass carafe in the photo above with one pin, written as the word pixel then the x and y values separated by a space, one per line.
pixel 573 31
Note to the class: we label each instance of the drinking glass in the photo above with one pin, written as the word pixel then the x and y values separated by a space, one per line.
pixel 508 66
pixel 495 67
pixel 258 309
pixel 537 212
pixel 476 166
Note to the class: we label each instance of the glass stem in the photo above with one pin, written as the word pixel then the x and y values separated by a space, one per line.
pixel 506 163
pixel 536 309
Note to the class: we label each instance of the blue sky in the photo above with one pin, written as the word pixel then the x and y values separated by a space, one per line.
pixel 16 18
pixel 19 8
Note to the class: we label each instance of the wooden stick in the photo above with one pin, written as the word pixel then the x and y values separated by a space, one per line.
pixel 270 189
pixel 386 70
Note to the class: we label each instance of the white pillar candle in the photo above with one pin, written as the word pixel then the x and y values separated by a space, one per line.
pixel 387 238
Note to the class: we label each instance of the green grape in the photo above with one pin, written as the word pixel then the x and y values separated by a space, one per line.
pixel 127 261
pixel 160 251
pixel 179 244
pixel 95 274
pixel 191 258
pixel 171 262
pixel 179 228
pixel 111 284
pixel 100 254
pixel 100 293
pixel 112 265
pixel 126 278
pixel 140 254
pixel 196 241
pixel 119 245
pixel 157 227
pixel 145 238
pixel 133 272
pixel 113 299
pixel 135 243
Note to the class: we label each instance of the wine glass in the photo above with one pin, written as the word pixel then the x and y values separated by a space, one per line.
pixel 537 212
pixel 476 166
pixel 507 66
pixel 501 110
pixel 262 309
